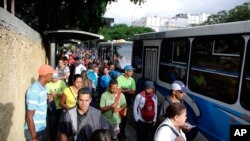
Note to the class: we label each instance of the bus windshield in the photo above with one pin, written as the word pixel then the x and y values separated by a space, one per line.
pixel 117 52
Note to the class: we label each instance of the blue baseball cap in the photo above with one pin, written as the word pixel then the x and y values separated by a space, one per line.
pixel 128 68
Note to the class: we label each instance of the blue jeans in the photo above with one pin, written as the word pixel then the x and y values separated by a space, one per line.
pixel 40 135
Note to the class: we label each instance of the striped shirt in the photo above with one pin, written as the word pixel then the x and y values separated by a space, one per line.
pixel 36 99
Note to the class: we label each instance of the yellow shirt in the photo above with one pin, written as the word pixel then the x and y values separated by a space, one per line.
pixel 71 97
pixel 56 88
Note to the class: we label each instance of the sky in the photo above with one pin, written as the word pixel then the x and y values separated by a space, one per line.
pixel 125 11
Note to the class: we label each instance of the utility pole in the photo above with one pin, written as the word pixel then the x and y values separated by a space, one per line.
pixel 5 4
pixel 12 7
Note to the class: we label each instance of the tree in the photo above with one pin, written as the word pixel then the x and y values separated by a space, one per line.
pixel 220 17
pixel 122 31
pixel 239 13
pixel 84 15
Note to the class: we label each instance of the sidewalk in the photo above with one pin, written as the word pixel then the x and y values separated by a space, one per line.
pixel 130 132
pixel 130 128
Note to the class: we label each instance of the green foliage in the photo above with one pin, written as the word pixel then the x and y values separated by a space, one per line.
pixel 86 15
pixel 239 13
pixel 122 31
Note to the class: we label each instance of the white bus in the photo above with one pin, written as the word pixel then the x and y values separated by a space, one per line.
pixel 119 52
pixel 213 61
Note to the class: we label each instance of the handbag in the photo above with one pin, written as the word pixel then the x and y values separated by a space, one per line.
pixel 123 111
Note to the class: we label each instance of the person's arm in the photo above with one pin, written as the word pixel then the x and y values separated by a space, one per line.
pixel 31 125
pixel 104 107
pixel 111 107
pixel 132 92
pixel 135 107
pixel 67 72
pixel 132 88
pixel 163 108
pixel 63 102
pixel 156 108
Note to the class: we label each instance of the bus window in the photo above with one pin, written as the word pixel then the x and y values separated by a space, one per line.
pixel 245 92
pixel 228 46
pixel 123 52
pixel 137 56
pixel 104 51
pixel 212 74
pixel 180 51
pixel 173 60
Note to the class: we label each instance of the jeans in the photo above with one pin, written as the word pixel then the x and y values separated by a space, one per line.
pixel 40 135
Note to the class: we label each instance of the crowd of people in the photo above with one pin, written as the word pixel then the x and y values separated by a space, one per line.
pixel 85 99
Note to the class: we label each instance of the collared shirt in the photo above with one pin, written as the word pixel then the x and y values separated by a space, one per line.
pixel 36 99
pixel 80 117
pixel 108 99
pixel 124 82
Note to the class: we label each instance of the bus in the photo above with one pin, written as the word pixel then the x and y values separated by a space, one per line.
pixel 214 63
pixel 118 52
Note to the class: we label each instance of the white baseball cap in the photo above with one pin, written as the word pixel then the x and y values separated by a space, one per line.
pixel 178 85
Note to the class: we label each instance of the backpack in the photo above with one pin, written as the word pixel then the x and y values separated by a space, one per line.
pixel 148 111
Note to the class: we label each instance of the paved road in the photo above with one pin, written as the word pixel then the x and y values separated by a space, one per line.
pixel 130 127
pixel 131 133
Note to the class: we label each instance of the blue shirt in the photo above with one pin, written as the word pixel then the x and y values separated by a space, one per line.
pixel 36 99
pixel 104 82
pixel 114 74
pixel 92 76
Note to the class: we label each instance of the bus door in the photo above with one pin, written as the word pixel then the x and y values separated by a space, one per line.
pixel 151 61
pixel 150 64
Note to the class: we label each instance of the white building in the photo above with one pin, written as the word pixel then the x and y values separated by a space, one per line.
pixel 177 22
pixel 156 23
pixel 197 18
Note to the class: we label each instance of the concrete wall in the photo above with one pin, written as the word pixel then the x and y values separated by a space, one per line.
pixel 21 54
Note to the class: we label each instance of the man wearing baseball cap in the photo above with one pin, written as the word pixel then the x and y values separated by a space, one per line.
pixel 36 105
pixel 127 85
pixel 177 93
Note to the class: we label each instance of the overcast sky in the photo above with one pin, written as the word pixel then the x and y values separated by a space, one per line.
pixel 124 11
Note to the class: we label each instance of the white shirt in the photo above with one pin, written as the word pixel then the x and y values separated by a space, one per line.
pixel 166 134
pixel 79 69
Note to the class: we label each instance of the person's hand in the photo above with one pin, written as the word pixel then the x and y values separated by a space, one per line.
pixel 180 138
pixel 114 105
pixel 35 139
pixel 115 109
pixel 50 97
pixel 185 128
